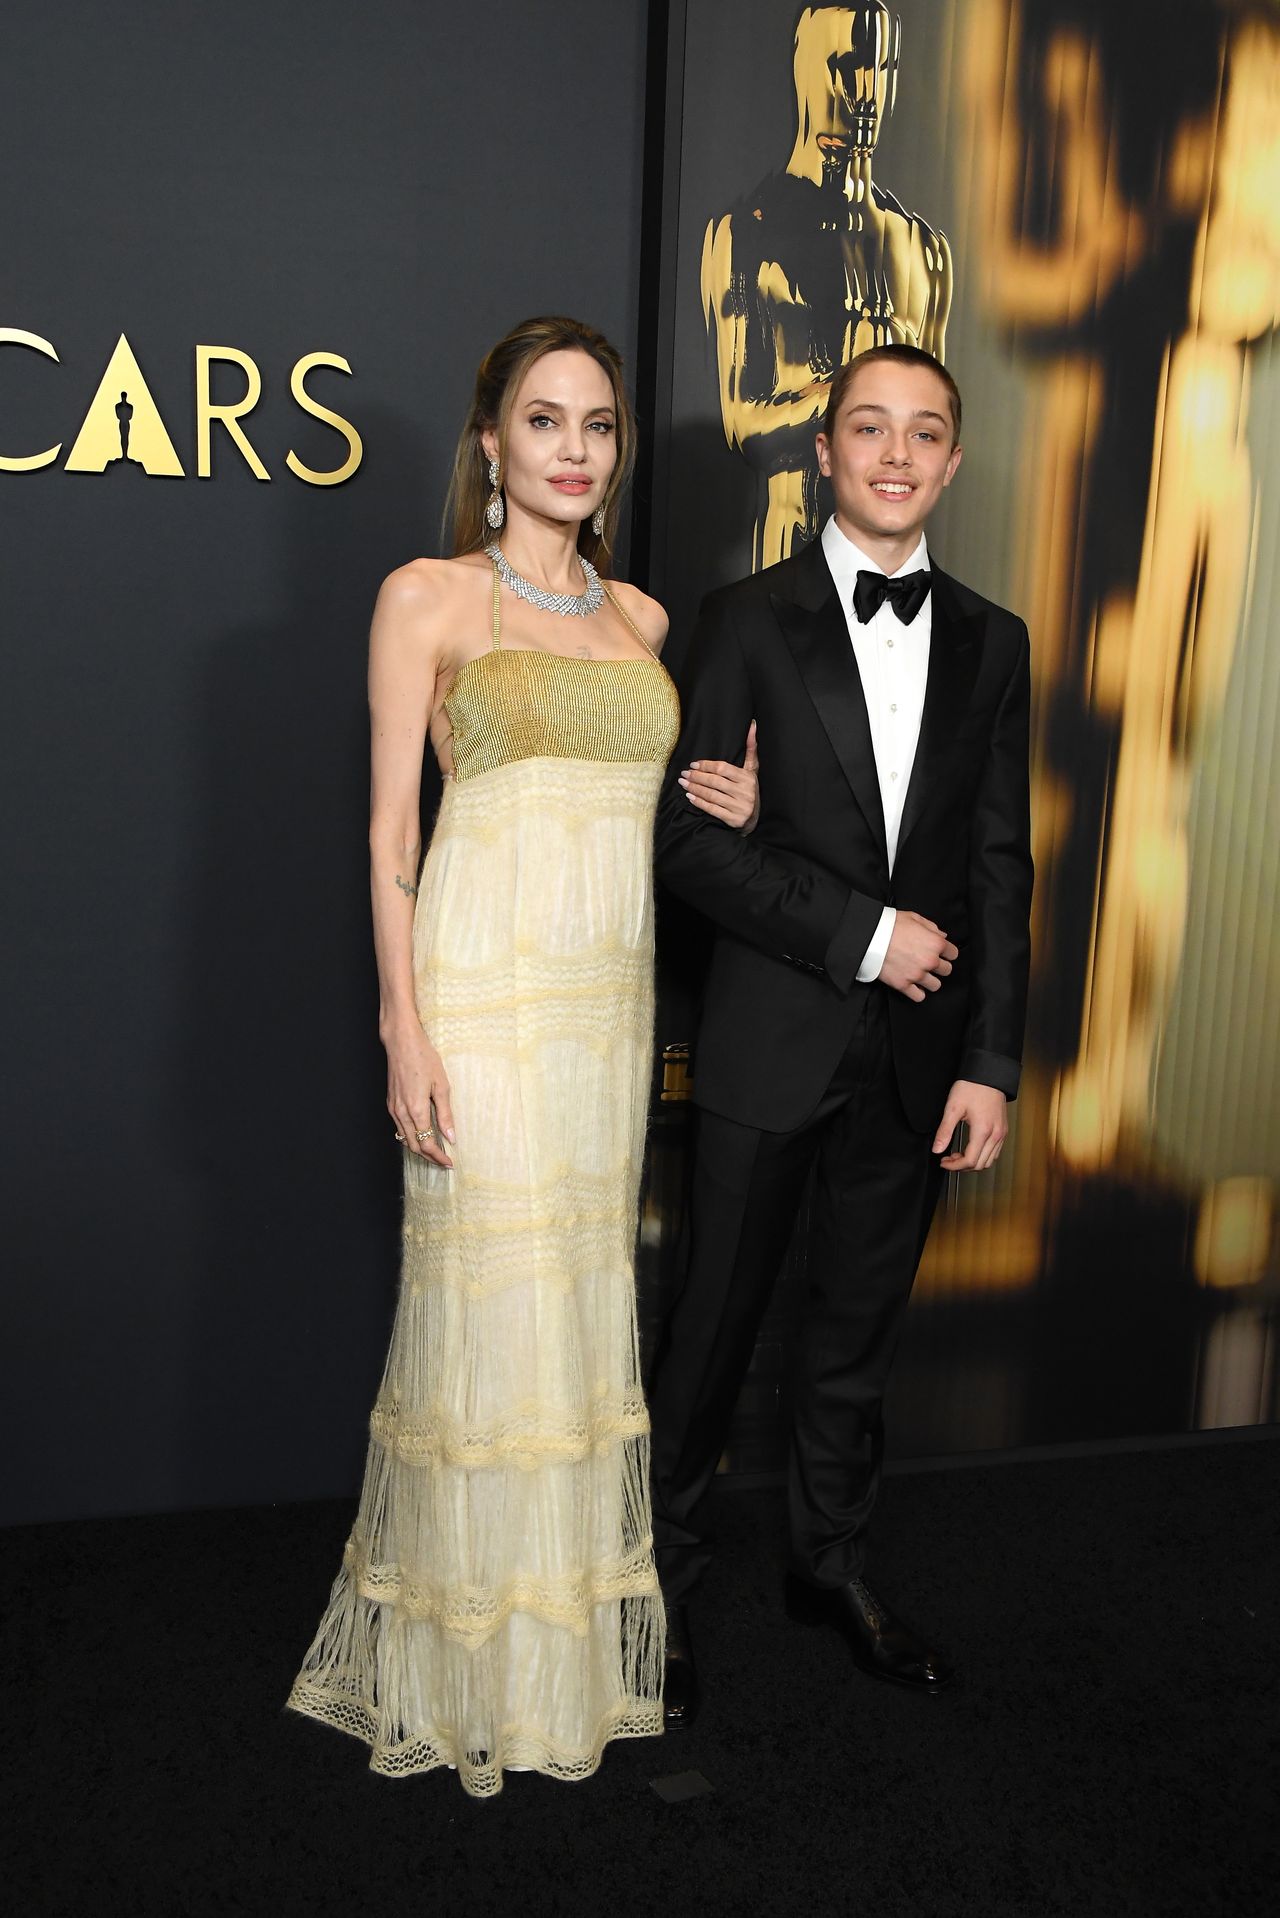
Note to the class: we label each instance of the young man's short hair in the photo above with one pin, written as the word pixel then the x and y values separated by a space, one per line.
pixel 904 356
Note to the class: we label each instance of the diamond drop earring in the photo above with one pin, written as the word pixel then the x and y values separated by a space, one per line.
pixel 597 520
pixel 494 512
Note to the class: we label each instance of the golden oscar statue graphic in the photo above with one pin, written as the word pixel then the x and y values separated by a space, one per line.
pixel 1150 653
pixel 816 264
pixel 1132 250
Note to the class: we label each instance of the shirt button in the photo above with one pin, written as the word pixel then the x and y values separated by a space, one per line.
pixel 893 709
pixel 893 775
pixel 888 642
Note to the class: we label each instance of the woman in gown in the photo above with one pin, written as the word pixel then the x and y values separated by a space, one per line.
pixel 497 1606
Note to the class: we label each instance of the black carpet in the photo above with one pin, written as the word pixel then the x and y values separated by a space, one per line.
pixel 1110 1749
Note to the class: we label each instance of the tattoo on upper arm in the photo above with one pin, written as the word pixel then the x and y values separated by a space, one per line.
pixel 408 890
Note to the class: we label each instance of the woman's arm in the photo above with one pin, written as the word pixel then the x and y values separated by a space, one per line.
pixel 728 792
pixel 404 665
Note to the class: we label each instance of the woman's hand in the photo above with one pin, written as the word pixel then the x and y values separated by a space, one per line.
pixel 418 1096
pixel 726 791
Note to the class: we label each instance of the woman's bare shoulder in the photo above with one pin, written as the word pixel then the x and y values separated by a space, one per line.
pixel 650 618
pixel 423 584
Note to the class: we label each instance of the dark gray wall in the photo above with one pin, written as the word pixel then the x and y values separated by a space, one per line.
pixel 201 1206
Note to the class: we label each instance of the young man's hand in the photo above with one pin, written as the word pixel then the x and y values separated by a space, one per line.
pixel 919 958
pixel 986 1113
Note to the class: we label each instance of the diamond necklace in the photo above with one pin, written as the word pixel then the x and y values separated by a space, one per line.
pixel 569 605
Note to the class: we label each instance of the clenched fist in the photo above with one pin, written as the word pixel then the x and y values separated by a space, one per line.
pixel 919 957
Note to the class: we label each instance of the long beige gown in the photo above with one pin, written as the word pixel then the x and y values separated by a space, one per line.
pixel 497 1606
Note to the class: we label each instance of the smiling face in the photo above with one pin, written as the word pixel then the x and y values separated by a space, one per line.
pixel 891 452
pixel 561 439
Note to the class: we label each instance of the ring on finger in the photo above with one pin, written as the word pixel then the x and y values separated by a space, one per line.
pixel 399 1138
pixel 428 1132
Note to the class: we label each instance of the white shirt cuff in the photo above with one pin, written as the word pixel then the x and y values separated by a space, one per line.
pixel 873 957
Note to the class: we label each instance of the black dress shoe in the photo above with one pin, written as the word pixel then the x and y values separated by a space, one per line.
pixel 880 1644
pixel 680 1682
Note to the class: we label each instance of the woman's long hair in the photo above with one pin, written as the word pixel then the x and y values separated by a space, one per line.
pixel 499 379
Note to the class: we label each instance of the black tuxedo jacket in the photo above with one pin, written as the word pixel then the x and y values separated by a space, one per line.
pixel 796 902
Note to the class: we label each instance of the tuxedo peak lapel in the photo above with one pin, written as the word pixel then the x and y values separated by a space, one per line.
pixel 805 578
pixel 955 653
pixel 807 607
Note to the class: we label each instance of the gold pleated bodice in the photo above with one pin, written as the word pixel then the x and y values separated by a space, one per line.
pixel 520 703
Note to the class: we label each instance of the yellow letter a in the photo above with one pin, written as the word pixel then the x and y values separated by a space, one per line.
pixel 123 423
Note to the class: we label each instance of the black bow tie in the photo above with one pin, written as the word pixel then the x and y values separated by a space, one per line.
pixel 906 594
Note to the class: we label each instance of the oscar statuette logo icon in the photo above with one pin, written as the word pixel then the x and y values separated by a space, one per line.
pixel 123 430
pixel 124 413
pixel 816 264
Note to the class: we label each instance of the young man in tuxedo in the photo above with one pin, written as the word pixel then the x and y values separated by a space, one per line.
pixel 867 986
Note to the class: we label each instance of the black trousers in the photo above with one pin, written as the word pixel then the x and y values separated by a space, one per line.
pixel 876 1189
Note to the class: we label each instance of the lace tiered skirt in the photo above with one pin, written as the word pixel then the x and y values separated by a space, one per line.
pixel 497 1606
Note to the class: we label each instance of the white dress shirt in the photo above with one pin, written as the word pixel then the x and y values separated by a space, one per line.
pixel 893 664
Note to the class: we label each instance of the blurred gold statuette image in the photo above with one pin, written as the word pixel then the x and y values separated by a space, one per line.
pixel 815 264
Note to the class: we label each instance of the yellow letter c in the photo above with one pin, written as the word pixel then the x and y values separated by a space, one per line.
pixel 15 336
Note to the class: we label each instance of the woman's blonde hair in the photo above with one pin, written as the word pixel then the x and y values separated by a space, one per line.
pixel 498 380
